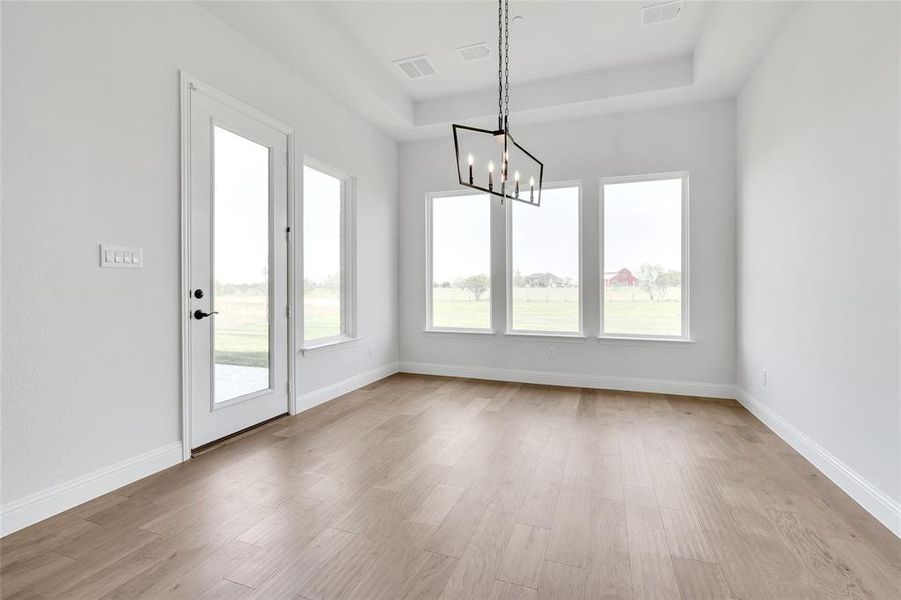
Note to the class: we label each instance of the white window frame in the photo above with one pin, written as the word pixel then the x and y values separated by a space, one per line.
pixel 429 250
pixel 508 229
pixel 348 336
pixel 686 262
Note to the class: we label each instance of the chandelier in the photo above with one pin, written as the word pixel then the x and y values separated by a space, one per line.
pixel 486 158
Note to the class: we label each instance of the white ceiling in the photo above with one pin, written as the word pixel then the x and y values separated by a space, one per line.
pixel 567 59
pixel 552 39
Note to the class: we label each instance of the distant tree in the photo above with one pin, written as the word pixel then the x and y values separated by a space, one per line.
pixel 544 280
pixel 518 280
pixel 332 282
pixel 648 275
pixel 672 278
pixel 446 284
pixel 308 286
pixel 476 285
pixel 655 280
pixel 242 289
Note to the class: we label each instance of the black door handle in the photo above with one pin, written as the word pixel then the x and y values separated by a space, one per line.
pixel 199 314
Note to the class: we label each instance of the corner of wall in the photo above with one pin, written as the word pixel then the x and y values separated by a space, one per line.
pixel 879 504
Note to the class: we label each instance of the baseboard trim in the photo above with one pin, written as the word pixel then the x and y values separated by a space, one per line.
pixel 630 384
pixel 330 392
pixel 36 507
pixel 871 498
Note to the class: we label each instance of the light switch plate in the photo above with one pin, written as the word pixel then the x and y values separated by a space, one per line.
pixel 120 257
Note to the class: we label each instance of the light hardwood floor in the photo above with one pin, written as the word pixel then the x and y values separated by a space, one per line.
pixel 423 487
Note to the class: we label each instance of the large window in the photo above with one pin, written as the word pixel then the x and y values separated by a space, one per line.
pixel 644 280
pixel 327 256
pixel 544 266
pixel 459 262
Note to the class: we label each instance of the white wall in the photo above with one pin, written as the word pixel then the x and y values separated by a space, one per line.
pixel 818 268
pixel 90 137
pixel 698 138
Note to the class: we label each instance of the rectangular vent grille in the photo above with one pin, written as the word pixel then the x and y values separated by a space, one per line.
pixel 474 52
pixel 660 13
pixel 416 66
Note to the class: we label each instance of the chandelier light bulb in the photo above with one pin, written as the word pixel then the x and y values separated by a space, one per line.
pixel 470 159
pixel 491 166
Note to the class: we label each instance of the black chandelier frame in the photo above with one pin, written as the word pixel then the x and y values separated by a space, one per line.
pixel 503 127
pixel 467 182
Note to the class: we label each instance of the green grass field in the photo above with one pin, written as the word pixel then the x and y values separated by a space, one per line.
pixel 241 330
pixel 546 309
pixel 242 334
pixel 626 310
pixel 321 314
pixel 455 308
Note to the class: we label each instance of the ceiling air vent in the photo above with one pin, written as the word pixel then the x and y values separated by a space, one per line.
pixel 474 52
pixel 660 13
pixel 416 66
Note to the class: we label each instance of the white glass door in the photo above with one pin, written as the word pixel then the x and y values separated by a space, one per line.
pixel 238 296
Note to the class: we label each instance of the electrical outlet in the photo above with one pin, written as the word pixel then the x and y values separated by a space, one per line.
pixel 552 352
pixel 764 377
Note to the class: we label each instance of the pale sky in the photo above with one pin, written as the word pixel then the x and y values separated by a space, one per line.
pixel 460 237
pixel 643 223
pixel 546 237
pixel 241 211
pixel 321 224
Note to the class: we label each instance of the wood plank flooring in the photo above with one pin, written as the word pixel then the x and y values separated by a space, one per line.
pixel 424 487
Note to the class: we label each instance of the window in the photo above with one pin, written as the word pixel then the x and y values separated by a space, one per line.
pixel 644 282
pixel 328 230
pixel 459 262
pixel 544 266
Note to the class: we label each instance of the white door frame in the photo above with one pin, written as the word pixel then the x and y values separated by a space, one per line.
pixel 191 84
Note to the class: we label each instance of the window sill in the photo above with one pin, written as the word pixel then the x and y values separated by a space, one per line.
pixel 328 346
pixel 528 336
pixel 645 341
pixel 478 333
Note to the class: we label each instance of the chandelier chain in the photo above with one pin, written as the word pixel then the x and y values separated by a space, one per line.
pixel 500 65
pixel 506 62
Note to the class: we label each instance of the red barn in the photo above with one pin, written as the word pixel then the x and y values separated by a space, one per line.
pixel 623 278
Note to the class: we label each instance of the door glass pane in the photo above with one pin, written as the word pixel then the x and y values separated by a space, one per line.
pixel 241 330
pixel 323 275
